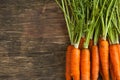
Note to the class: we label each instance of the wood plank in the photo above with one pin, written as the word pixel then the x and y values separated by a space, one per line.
pixel 33 40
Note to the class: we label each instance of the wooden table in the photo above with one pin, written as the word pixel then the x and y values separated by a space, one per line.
pixel 33 40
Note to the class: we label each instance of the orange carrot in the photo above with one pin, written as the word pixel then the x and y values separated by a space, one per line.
pixel 112 73
pixel 114 58
pixel 104 55
pixel 81 43
pixel 85 64
pixel 68 57
pixel 75 64
pixel 100 39
pixel 95 63
pixel 90 44
pixel 100 69
pixel 118 45
pixel 101 73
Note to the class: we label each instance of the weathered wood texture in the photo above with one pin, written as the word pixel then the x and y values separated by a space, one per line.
pixel 33 40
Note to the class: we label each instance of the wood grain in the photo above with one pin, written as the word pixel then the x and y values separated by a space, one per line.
pixel 33 40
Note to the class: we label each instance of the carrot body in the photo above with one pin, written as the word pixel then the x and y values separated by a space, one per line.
pixel 85 64
pixel 90 44
pixel 81 43
pixel 100 67
pixel 104 55
pixel 112 73
pixel 118 45
pixel 95 63
pixel 114 58
pixel 75 64
pixel 100 39
pixel 68 57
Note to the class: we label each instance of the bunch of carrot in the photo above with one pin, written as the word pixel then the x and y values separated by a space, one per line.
pixel 94 29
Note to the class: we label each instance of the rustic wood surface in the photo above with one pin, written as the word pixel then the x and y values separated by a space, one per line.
pixel 33 40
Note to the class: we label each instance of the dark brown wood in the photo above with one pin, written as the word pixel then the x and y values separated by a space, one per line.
pixel 33 40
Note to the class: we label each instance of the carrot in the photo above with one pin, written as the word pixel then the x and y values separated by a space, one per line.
pixel 90 44
pixel 114 58
pixel 82 40
pixel 112 73
pixel 75 64
pixel 101 73
pixel 104 55
pixel 85 64
pixel 118 45
pixel 99 40
pixel 95 63
pixel 100 66
pixel 68 57
pixel 90 48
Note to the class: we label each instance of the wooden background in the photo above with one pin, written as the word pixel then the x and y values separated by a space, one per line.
pixel 33 40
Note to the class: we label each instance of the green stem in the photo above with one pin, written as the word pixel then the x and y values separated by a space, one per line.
pixel 113 35
pixel 72 14
pixel 96 34
pixel 89 34
pixel 67 21
pixel 106 25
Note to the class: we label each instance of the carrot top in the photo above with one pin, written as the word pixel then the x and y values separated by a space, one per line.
pixel 114 26
pixel 106 16
pixel 83 17
pixel 91 21
pixel 74 16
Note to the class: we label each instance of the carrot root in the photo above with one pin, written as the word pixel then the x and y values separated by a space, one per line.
pixel 81 43
pixel 95 63
pixel 112 73
pixel 114 58
pixel 104 58
pixel 68 57
pixel 85 64
pixel 75 64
